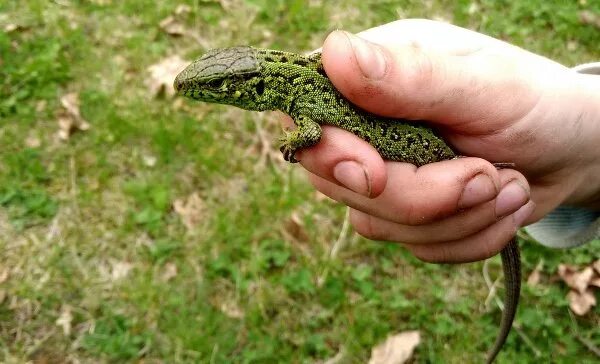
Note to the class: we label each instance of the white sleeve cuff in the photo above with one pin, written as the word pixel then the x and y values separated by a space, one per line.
pixel 568 227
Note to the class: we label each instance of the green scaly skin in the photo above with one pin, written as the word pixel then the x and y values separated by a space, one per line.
pixel 262 79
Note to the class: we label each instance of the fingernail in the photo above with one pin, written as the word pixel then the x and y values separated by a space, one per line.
pixel 480 189
pixel 353 176
pixel 523 213
pixel 510 199
pixel 369 57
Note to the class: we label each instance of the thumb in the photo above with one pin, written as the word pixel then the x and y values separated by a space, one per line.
pixel 476 92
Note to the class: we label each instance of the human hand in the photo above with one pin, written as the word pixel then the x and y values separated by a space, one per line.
pixel 492 102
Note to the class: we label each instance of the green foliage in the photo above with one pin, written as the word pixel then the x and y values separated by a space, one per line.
pixel 116 337
pixel 299 282
pixel 27 207
pixel 242 286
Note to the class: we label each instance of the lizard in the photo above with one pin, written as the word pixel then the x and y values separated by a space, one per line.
pixel 261 79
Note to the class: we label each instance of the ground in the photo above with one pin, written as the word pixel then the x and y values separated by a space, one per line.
pixel 172 231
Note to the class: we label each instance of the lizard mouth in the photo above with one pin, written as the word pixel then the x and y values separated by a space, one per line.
pixel 179 83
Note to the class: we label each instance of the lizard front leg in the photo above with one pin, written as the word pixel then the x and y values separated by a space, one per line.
pixel 307 134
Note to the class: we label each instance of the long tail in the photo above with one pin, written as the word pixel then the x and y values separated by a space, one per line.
pixel 511 264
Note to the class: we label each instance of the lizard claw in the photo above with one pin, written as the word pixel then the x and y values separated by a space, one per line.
pixel 288 154
pixel 287 151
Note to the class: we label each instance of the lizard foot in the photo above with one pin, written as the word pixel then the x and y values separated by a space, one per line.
pixel 288 153
pixel 286 148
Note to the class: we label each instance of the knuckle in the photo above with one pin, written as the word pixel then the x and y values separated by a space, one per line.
pixel 426 254
pixel 422 73
pixel 365 226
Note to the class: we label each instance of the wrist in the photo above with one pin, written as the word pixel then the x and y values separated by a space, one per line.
pixel 588 85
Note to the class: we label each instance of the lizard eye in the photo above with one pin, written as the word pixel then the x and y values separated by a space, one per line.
pixel 216 83
pixel 260 87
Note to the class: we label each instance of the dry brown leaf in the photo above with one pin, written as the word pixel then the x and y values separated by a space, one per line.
pixel 149 160
pixel 69 118
pixel 589 18
pixel 32 141
pixel 190 210
pixel 231 309
pixel 581 303
pixel 294 226
pixel 163 74
pixel 40 106
pixel 2 296
pixel 9 28
pixel 535 276
pixel 120 270
pixel 4 275
pixel 172 26
pixel 182 9
pixel 396 349
pixel 65 319
pixel 169 272
pixel 574 279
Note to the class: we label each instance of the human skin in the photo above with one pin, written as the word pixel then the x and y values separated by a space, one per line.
pixel 493 102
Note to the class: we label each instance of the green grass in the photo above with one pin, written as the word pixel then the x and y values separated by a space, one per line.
pixel 87 226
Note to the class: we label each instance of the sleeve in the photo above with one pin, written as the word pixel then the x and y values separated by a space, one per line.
pixel 568 227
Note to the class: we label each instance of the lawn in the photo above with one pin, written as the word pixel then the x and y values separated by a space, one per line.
pixel 172 231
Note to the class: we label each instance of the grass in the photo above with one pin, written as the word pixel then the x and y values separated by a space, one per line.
pixel 100 266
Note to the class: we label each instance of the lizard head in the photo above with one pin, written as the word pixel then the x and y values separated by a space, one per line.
pixel 225 76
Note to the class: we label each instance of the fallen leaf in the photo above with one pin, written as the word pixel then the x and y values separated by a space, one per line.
pixel 574 279
pixel 596 266
pixel 172 26
pixel 581 303
pixel 163 73
pixel 2 296
pixel 473 9
pixel 9 28
pixel 149 160
pixel 169 272
pixel 3 275
pixel 294 226
pixel 174 23
pixel 589 18
pixel 396 349
pixel 69 118
pixel 32 141
pixel 232 310
pixel 40 106
pixel 190 210
pixel 534 278
pixel 65 319
pixel 183 9
pixel 120 270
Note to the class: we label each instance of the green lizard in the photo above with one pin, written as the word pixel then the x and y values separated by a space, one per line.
pixel 262 79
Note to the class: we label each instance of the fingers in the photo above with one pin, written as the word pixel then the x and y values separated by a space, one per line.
pixel 418 82
pixel 345 160
pixel 459 202
pixel 461 224
pixel 481 245
pixel 418 196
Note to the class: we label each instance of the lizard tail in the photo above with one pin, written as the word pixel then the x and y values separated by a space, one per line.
pixel 511 264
